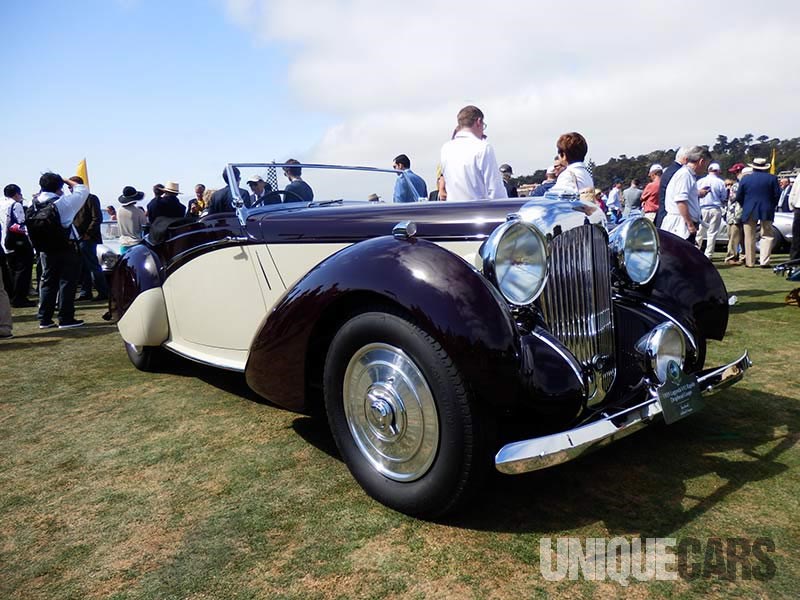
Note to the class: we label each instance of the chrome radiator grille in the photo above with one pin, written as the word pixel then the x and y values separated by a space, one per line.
pixel 576 303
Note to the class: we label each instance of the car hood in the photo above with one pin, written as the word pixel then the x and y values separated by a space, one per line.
pixel 438 221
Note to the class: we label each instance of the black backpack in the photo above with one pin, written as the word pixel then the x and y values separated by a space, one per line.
pixel 44 227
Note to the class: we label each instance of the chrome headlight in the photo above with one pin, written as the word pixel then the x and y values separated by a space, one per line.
pixel 663 344
pixel 514 259
pixel 109 260
pixel 634 249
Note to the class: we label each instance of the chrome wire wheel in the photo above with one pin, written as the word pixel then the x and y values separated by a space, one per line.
pixel 391 412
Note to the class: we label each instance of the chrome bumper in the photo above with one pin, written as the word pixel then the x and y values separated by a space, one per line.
pixel 550 450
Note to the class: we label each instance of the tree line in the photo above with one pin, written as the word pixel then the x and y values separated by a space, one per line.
pixel 727 152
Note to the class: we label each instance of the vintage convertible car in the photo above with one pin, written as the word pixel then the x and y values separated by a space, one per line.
pixel 434 335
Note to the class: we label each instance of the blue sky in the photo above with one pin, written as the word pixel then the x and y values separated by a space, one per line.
pixel 150 91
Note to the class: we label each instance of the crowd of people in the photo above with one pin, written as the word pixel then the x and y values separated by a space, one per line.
pixel 687 198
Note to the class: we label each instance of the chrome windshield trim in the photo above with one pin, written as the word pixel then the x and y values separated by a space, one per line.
pixel 550 450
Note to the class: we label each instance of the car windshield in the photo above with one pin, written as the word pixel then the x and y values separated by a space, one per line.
pixel 269 186
pixel 109 230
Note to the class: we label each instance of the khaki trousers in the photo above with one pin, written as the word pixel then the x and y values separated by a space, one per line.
pixel 734 239
pixel 750 242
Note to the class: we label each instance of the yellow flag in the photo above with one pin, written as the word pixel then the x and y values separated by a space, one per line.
pixel 772 162
pixel 83 172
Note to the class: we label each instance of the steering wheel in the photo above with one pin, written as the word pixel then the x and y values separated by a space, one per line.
pixel 279 196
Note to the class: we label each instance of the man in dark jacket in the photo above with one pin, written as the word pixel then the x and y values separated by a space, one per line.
pixel 758 195
pixel 222 199
pixel 166 205
pixel 87 222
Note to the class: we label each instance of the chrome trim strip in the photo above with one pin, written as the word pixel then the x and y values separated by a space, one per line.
pixel 194 359
pixel 568 358
pixel 201 248
pixel 680 326
pixel 550 450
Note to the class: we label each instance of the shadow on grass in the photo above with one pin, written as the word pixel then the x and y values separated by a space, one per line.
pixel 639 484
pixel 24 318
pixel 228 381
pixel 743 307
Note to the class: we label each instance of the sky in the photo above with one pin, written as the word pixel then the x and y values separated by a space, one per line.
pixel 152 91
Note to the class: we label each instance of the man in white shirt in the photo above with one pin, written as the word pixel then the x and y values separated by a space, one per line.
pixel 468 162
pixel 682 199
pixel 60 269
pixel 794 205
pixel 711 208
pixel 614 203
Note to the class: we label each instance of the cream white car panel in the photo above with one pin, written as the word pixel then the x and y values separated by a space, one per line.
pixel 296 260
pixel 145 322
pixel 215 301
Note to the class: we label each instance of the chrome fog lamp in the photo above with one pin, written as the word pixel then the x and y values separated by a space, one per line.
pixel 663 344
pixel 634 250
pixel 514 260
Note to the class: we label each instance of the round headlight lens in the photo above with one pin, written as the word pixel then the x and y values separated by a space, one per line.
pixel 634 245
pixel 662 345
pixel 514 259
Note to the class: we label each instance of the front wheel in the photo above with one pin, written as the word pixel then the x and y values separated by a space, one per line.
pixel 401 415
pixel 145 358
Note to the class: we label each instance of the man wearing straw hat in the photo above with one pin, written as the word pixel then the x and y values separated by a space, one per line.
pixel 758 195
pixel 167 205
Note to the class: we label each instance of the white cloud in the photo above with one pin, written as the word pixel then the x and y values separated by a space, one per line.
pixel 632 77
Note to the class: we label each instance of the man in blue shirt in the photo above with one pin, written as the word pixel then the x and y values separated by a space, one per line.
pixel 403 192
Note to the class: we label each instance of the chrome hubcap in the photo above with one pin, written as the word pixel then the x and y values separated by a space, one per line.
pixel 391 412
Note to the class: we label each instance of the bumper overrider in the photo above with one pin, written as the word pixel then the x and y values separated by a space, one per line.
pixel 679 396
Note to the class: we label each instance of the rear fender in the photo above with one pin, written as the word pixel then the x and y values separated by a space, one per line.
pixel 441 292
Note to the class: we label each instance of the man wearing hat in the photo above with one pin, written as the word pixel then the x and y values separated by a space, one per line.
pixel 711 208
pixel 549 181
pixel 650 192
pixel 167 205
pixel 506 171
pixel 131 219
pixel 259 190
pixel 758 194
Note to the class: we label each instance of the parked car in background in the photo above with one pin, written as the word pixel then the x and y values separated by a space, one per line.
pixel 434 335
pixel 782 226
pixel 108 251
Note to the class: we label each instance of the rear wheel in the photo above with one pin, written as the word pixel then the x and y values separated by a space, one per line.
pixel 401 416
pixel 145 358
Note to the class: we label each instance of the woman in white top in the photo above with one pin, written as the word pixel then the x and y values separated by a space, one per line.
pixel 575 178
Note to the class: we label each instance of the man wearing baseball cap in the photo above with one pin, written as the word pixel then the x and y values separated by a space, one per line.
pixel 711 208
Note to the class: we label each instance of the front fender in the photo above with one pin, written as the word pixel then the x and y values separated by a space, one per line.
pixel 136 299
pixel 442 293
pixel 688 286
pixel 137 271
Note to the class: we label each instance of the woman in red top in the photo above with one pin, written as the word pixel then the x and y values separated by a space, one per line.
pixel 650 193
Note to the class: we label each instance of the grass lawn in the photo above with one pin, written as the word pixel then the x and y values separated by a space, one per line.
pixel 184 484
